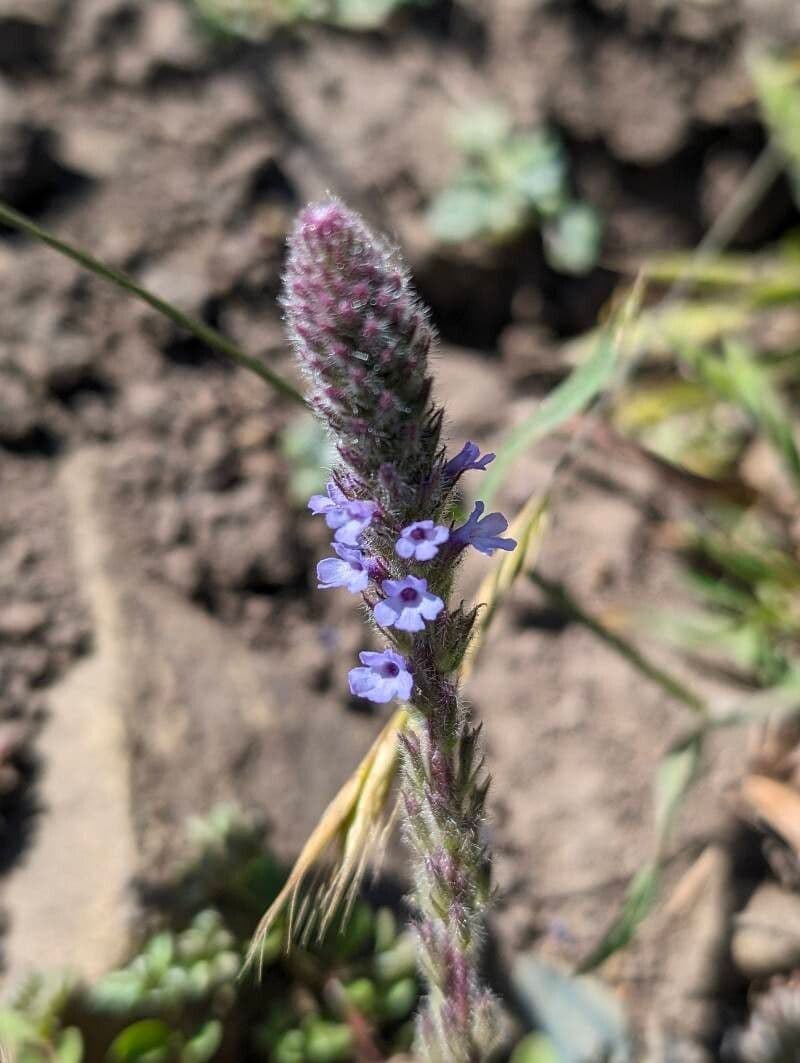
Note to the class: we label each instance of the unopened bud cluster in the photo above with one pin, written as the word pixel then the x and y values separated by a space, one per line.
pixel 362 339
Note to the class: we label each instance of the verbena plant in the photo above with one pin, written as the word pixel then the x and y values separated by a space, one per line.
pixel 362 340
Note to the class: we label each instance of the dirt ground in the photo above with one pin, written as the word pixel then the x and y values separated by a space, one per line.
pixel 181 159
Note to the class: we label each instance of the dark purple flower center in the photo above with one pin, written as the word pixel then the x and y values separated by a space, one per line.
pixel 408 595
pixel 418 534
pixel 356 566
pixel 389 670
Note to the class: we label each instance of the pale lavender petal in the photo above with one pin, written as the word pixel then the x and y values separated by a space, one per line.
pixel 405 684
pixel 409 620
pixel 404 548
pixel 425 551
pixel 430 606
pixel 384 614
pixel 331 572
pixel 372 658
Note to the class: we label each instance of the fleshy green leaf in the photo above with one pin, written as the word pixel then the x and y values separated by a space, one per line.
pixel 580 1017
pixel 572 239
pixel 70 1046
pixel 140 1039
pixel 535 168
pixel 459 213
pixel 535 1048
pixel 203 1045
pixel 481 130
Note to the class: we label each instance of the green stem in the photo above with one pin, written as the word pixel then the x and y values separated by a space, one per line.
pixel 205 333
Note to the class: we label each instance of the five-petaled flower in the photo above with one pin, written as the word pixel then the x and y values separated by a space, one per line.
pixel 348 569
pixel 347 518
pixel 385 676
pixel 407 605
pixel 421 540
pixel 467 458
pixel 483 534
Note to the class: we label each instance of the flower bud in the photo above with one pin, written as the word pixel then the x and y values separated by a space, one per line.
pixel 362 337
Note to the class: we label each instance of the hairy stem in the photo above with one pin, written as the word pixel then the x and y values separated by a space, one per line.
pixel 444 792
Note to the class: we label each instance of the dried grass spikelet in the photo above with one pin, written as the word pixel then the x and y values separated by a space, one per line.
pixel 353 825
pixel 335 855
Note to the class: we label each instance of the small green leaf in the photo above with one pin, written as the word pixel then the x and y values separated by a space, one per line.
pixel 481 130
pixel 535 1048
pixel 400 999
pixel 364 14
pixel 16 1027
pixel 70 1046
pixel 203 1045
pixel 536 169
pixel 572 239
pixel 581 1018
pixel 136 1041
pixel 460 213
pixel 328 1042
pixel 159 952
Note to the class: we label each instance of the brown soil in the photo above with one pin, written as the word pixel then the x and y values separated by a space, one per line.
pixel 182 159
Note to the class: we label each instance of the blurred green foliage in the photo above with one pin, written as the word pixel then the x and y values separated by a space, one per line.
pixel 511 182
pixel 309 454
pixel 256 19
pixel 777 82
pixel 747 583
pixel 180 999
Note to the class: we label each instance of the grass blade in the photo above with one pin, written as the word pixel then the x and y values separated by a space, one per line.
pixel 640 898
pixel 205 333
pixel 568 606
pixel 777 82
pixel 568 398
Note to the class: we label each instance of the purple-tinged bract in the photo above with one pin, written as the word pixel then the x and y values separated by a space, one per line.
pixel 362 337
pixel 421 540
pixel 408 604
pixel 384 677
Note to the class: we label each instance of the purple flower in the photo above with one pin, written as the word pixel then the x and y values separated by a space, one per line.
pixel 408 604
pixel 484 534
pixel 421 540
pixel 347 518
pixel 467 458
pixel 349 570
pixel 385 676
